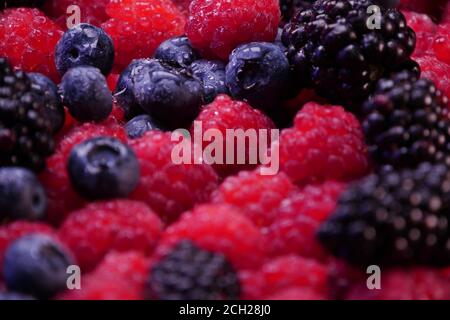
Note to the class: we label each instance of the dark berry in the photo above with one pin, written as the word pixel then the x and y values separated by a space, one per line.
pixel 176 51
pixel 337 48
pixel 25 132
pixel 212 75
pixel 290 7
pixel 54 110
pixel 86 94
pixel 259 73
pixel 102 168
pixel 171 96
pixel 191 273
pixel 124 89
pixel 393 218
pixel 36 264
pixel 84 45
pixel 407 122
pixel 139 125
pixel 21 195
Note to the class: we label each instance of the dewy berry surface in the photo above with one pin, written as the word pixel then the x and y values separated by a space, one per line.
pixel 224 149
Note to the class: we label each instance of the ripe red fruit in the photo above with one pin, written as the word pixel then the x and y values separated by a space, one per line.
pixel 257 196
pixel 28 38
pixel 217 228
pixel 326 143
pixel 215 28
pixel 137 27
pixel 101 227
pixel 169 188
pixel 437 71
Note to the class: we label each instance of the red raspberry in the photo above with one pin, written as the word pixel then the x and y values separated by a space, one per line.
pixel 326 143
pixel 298 218
pixel 258 196
pixel 285 273
pixel 437 71
pixel 112 81
pixel 224 113
pixel 424 28
pixel 215 28
pixel 169 188
pixel 92 12
pixel 441 44
pixel 137 27
pixel 110 225
pixel 412 284
pixel 342 277
pixel 28 38
pixel 61 197
pixel 296 294
pixel 120 276
pixel 14 230
pixel 217 228
pixel 432 8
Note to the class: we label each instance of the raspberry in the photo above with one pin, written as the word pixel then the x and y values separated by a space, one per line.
pixel 299 217
pixel 406 122
pixel 92 12
pixel 424 28
pixel 296 294
pixel 191 273
pixel 332 48
pixel 409 284
pixel 258 196
pixel 217 228
pixel 120 276
pixel 393 218
pixel 61 197
pixel 102 227
pixel 285 273
pixel 441 44
pixel 215 28
pixel 431 8
pixel 226 114
pixel 14 230
pixel 145 24
pixel 169 188
pixel 437 71
pixel 28 38
pixel 326 143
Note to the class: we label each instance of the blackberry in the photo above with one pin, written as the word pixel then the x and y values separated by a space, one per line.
pixel 25 132
pixel 290 7
pixel 393 218
pixel 337 48
pixel 406 122
pixel 191 273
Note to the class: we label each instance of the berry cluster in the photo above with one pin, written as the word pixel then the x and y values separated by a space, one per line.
pixel 351 105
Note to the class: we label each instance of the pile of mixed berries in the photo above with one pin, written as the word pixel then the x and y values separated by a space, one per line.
pixel 87 176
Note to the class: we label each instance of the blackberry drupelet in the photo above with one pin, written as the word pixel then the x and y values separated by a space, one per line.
pixel 407 122
pixel 191 273
pixel 25 133
pixel 290 7
pixel 393 218
pixel 333 50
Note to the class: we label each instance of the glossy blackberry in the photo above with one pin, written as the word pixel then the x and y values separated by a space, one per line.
pixel 290 7
pixel 407 122
pixel 25 132
pixel 393 218
pixel 337 48
pixel 191 273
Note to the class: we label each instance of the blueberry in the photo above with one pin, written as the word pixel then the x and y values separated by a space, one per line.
pixel 212 75
pixel 54 110
pixel 102 168
pixel 176 51
pixel 84 45
pixel 36 264
pixel 86 94
pixel 259 73
pixel 21 195
pixel 124 89
pixel 139 125
pixel 171 96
